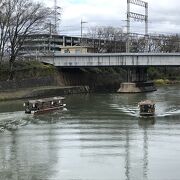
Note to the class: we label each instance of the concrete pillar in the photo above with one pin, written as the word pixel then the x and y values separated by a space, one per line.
pixel 64 41
pixel 136 81
pixel 71 41
pixel 136 74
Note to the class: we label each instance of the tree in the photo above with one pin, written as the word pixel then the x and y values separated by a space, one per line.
pixel 18 18
pixel 171 44
pixel 25 17
pixel 4 24
pixel 113 39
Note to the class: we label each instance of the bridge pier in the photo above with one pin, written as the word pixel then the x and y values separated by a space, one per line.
pixel 136 81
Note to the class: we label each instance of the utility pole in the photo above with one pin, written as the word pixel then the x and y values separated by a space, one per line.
pixel 136 16
pixel 55 16
pixel 50 37
pixel 128 26
pixel 146 19
pixel 82 22
pixel 146 28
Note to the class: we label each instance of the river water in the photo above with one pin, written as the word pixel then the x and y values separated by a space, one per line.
pixel 99 137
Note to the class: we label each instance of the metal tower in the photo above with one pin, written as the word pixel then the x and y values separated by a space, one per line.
pixel 55 16
pixel 133 15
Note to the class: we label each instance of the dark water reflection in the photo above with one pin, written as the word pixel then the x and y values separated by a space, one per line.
pixel 100 137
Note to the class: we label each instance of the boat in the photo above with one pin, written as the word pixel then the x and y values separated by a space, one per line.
pixel 147 108
pixel 41 106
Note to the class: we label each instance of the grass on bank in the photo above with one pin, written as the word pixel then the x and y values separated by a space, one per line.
pixel 26 69
pixel 161 81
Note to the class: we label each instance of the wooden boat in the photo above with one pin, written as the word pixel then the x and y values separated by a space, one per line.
pixel 41 106
pixel 147 108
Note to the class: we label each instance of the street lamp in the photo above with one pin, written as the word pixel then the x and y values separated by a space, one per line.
pixel 82 22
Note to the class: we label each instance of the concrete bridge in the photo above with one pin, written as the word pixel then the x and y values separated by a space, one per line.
pixel 135 63
pixel 112 59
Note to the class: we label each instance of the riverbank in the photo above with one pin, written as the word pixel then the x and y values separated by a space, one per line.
pixel 159 82
pixel 40 92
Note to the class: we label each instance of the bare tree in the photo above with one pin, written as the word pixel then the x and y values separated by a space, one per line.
pixel 171 44
pixel 155 43
pixel 113 39
pixel 4 25
pixel 25 17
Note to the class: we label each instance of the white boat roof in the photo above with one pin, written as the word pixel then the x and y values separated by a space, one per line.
pixel 146 102
pixel 46 100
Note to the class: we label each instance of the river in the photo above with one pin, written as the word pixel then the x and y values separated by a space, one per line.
pixel 99 137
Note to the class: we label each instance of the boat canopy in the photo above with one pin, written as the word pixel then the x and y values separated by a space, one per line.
pixel 44 100
pixel 146 102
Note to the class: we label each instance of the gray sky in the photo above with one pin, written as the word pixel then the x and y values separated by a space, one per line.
pixel 164 15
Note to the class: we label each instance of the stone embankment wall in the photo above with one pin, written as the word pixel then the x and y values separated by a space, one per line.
pixel 57 91
pixel 27 83
pixel 96 81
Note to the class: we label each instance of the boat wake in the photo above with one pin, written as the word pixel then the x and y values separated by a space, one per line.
pixel 129 110
pixel 12 120
pixel 172 112
pixel 11 115
pixel 134 111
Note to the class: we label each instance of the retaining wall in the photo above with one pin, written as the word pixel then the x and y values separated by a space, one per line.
pixel 27 83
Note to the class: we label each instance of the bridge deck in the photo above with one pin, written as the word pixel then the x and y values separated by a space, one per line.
pixel 114 59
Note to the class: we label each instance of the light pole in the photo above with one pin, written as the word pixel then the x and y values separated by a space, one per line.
pixel 82 22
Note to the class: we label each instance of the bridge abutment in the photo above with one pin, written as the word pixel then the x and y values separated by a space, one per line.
pixel 136 81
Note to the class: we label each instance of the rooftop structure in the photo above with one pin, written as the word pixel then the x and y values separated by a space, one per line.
pixel 77 49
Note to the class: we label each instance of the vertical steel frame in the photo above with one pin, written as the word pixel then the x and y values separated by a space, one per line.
pixel 142 17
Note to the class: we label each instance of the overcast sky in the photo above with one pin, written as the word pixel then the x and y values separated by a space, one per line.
pixel 164 15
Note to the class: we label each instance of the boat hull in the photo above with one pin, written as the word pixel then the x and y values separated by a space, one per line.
pixel 47 110
pixel 147 114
